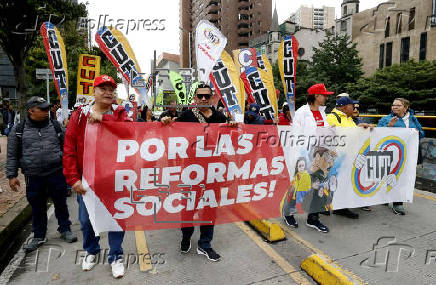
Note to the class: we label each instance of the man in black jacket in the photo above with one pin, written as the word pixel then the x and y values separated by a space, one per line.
pixel 36 146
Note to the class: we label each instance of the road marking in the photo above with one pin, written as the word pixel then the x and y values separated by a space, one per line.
pixel 142 249
pixel 425 196
pixel 280 261
pixel 315 250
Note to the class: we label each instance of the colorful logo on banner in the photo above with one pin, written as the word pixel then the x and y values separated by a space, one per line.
pixel 116 47
pixel 131 108
pixel 225 79
pixel 260 91
pixel 288 67
pixel 57 58
pixel 245 57
pixel 88 70
pixel 179 87
pixel 380 167
pixel 156 177
pixel 268 79
pixel 209 44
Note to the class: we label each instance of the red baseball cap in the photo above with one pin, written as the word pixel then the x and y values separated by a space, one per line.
pixel 103 79
pixel 319 89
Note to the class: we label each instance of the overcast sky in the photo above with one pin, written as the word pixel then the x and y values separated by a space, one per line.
pixel 143 42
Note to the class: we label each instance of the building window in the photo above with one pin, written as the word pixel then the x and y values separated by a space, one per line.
pixel 387 27
pixel 345 10
pixel 405 47
pixel 412 19
pixel 423 46
pixel 381 56
pixel 389 54
pixel 399 23
pixel 357 8
pixel 343 26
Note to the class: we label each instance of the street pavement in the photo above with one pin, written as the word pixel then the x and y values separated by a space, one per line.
pixel 405 252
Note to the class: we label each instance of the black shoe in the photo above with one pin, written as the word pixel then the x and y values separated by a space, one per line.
pixel 33 244
pixel 327 213
pixel 318 226
pixel 290 221
pixel 210 253
pixel 185 246
pixel 346 213
pixel 68 236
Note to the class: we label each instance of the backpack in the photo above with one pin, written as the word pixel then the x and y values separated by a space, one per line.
pixel 337 117
pixel 19 133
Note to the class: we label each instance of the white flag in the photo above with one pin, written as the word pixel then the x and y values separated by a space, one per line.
pixel 209 44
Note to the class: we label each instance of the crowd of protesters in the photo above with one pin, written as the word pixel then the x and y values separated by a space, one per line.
pixel 51 157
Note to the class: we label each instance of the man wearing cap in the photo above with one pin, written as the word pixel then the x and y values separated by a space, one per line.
pixel 252 115
pixel 312 115
pixel 35 145
pixel 101 110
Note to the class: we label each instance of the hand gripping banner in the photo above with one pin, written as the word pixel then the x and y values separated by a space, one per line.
pixel 179 87
pixel 88 69
pixel 57 58
pixel 288 67
pixel 209 44
pixel 116 47
pixel 225 79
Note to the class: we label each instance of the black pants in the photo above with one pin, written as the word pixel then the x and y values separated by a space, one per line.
pixel 36 193
pixel 206 235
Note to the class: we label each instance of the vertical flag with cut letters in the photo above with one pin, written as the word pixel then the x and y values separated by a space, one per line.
pixel 225 79
pixel 179 87
pixel 209 43
pixel 88 70
pixel 244 58
pixel 116 47
pixel 268 79
pixel 288 67
pixel 57 58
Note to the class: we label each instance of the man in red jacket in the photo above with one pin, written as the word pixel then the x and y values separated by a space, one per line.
pixel 101 110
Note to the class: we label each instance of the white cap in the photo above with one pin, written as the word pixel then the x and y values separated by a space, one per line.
pixel 343 95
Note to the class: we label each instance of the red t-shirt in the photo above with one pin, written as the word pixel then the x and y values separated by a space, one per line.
pixel 318 118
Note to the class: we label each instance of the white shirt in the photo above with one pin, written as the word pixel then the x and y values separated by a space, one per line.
pixel 304 117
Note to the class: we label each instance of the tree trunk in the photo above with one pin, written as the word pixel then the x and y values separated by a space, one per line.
pixel 20 78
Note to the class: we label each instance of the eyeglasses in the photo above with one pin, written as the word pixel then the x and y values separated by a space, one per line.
pixel 356 108
pixel 205 96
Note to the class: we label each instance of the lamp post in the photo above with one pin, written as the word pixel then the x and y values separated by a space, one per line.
pixel 189 45
pixel 45 74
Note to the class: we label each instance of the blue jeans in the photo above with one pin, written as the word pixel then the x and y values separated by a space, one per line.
pixel 206 235
pixel 91 242
pixel 37 190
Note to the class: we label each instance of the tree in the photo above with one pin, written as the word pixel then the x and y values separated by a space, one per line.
pixel 19 27
pixel 379 90
pixel 336 63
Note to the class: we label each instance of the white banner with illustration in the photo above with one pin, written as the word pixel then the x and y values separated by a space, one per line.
pixel 334 168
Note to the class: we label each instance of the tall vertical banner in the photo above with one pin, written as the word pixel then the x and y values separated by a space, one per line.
pixel 209 44
pixel 88 70
pixel 116 47
pixel 225 79
pixel 268 78
pixel 57 58
pixel 179 87
pixel 288 68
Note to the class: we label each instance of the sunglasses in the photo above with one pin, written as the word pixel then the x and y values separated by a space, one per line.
pixel 205 96
pixel 356 108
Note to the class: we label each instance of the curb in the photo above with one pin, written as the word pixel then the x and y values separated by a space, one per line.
pixel 13 220
pixel 271 231
pixel 324 272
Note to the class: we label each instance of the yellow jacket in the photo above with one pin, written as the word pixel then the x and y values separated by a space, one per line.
pixel 345 121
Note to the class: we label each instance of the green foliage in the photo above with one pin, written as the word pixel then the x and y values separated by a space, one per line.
pixel 415 81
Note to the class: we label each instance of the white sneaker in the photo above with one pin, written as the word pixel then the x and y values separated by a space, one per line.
pixel 89 262
pixel 117 268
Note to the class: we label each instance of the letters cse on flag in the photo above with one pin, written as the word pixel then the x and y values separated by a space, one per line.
pixel 179 87
pixel 57 58
pixel 88 70
pixel 117 49
pixel 209 44
pixel 288 68
pixel 225 79
pixel 154 176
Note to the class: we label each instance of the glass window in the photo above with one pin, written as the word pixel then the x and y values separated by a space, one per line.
pixel 389 54
pixel 399 17
pixel 404 51
pixel 381 56
pixel 412 19
pixel 423 46
pixel 387 27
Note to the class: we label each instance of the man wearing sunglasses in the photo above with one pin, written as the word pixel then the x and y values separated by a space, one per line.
pixel 205 113
pixel 36 146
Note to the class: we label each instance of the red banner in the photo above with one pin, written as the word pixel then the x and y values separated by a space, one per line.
pixel 148 176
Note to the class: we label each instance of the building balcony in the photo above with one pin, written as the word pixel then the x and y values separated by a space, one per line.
pixel 214 9
pixel 213 17
pixel 213 2
pixel 244 5
pixel 433 20
pixel 243 30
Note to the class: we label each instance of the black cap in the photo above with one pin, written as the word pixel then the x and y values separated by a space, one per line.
pixel 36 101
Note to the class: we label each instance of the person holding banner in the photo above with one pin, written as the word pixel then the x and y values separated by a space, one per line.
pixel 312 115
pixel 101 110
pixel 205 114
pixel 401 117
pixel 285 115
pixel 171 112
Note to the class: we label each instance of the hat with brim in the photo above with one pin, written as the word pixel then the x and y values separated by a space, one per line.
pixel 319 89
pixel 343 101
pixel 38 102
pixel 105 79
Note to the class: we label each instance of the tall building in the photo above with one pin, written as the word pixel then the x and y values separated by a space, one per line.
pixel 344 25
pixel 238 20
pixel 314 18
pixel 394 32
